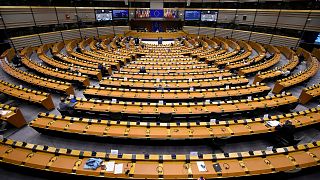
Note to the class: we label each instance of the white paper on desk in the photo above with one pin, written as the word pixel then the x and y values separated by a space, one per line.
pixel 118 168
pixel 3 112
pixel 201 166
pixel 125 78
pixel 114 151
pixel 273 123
pixel 110 166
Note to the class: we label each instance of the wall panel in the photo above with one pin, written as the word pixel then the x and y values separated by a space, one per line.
pixel 292 19
pixel 223 32
pixel 105 30
pixel 88 32
pixel 314 23
pixel 51 37
pixel 71 34
pixel 226 15
pixel 241 35
pixel 260 37
pixel 245 16
pixel 17 17
pixel 25 41
pixel 121 29
pixel 266 18
pixel 191 29
pixel 284 41
pixel 66 14
pixel 207 31
pixel 86 14
pixel 45 15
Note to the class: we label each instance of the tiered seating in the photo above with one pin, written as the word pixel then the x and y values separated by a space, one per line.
pixel 180 97
pixel 95 73
pixel 189 110
pixel 50 123
pixel 247 51
pixel 176 76
pixel 38 81
pixel 174 84
pixel 250 61
pixel 54 73
pixel 113 63
pixel 122 58
pixel 309 93
pixel 188 69
pixel 12 115
pixel 312 69
pixel 264 65
pixel 82 63
pixel 176 95
pixel 140 166
pixel 29 95
pixel 277 72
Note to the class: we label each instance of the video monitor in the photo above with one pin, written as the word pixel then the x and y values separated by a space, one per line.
pixel 192 15
pixel 120 14
pixel 103 15
pixel 209 16
pixel 317 41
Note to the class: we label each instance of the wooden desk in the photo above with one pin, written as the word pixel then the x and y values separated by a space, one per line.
pixel 140 166
pixel 13 117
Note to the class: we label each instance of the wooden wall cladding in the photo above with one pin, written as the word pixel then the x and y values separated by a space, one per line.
pixel 266 18
pixel 292 19
pixel 45 16
pixel 226 16
pixel 284 41
pixel 52 37
pixel 105 30
pixel 17 17
pixel 66 14
pixel 25 41
pixel 121 29
pixel 223 32
pixel 88 32
pixel 86 14
pixel 191 29
pixel 241 35
pixel 207 31
pixel 71 34
pixel 313 24
pixel 245 16
pixel 260 37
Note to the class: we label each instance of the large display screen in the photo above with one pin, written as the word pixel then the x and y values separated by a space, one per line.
pixel 103 15
pixel 120 14
pixel 192 15
pixel 209 15
pixel 317 41
pixel 156 13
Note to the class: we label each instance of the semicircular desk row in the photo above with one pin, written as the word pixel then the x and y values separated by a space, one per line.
pixel 153 166
pixel 212 109
pixel 54 124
